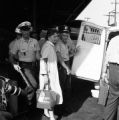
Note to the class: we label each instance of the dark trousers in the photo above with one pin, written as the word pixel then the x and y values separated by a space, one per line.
pixel 29 70
pixel 4 115
pixel 113 95
pixel 65 80
pixel 65 83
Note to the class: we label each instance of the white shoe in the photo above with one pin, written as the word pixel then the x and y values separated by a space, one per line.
pixel 52 118
pixel 46 113
pixel 51 113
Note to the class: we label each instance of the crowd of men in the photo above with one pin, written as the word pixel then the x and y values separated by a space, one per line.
pixel 55 49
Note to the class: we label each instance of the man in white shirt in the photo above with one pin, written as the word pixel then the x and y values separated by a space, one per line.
pixel 112 63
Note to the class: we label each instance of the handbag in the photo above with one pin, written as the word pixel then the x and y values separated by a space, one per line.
pixel 46 99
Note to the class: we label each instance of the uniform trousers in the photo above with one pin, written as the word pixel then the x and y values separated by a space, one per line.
pixel 65 83
pixel 29 70
pixel 65 80
pixel 113 94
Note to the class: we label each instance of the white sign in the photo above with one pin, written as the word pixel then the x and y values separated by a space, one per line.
pixel 87 64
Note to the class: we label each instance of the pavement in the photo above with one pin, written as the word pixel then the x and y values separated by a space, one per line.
pixel 80 106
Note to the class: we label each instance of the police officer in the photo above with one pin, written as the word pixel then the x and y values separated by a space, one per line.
pixel 62 49
pixel 65 45
pixel 26 51
pixel 11 44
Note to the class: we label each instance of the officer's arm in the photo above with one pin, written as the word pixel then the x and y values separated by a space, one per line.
pixel 13 58
pixel 61 61
pixel 38 55
pixel 13 53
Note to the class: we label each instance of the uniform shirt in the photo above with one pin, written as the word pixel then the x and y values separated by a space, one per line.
pixel 70 44
pixel 112 54
pixel 71 47
pixel 26 50
pixel 63 49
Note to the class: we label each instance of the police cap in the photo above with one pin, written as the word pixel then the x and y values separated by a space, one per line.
pixel 24 26
pixel 64 29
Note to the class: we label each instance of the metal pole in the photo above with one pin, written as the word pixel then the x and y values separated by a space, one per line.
pixel 115 12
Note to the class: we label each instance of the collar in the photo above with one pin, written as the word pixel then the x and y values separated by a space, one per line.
pixel 29 40
pixel 50 43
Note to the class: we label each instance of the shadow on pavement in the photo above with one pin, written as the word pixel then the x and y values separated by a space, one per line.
pixel 80 105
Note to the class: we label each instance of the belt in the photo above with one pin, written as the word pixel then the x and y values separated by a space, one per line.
pixel 114 63
pixel 27 63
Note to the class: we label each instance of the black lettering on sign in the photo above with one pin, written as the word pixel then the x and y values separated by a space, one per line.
pixel 91 34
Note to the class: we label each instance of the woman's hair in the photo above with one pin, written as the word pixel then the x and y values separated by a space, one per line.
pixel 51 31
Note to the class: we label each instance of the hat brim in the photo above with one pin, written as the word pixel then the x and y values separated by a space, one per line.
pixel 25 28
pixel 64 31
